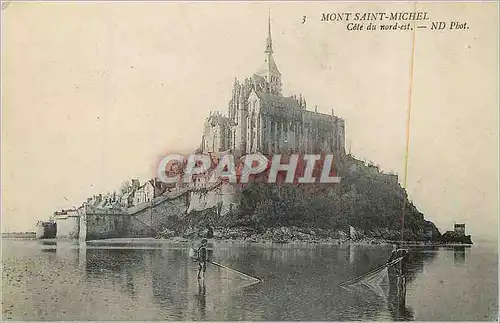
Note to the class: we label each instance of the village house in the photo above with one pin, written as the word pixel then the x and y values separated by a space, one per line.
pixel 144 193
pixel 127 200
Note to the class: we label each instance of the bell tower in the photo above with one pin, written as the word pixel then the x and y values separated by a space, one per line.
pixel 269 70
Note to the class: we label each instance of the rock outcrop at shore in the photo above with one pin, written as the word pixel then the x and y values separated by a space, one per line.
pixel 453 237
pixel 368 200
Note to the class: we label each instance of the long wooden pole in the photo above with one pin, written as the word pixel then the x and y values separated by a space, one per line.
pixel 408 123
pixel 234 270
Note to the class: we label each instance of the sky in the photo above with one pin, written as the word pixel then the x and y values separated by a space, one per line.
pixel 94 93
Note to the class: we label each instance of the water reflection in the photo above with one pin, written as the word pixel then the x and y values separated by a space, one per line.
pixel 397 299
pixel 420 256
pixel 390 284
pixel 459 255
pixel 169 280
pixel 300 282
pixel 47 242
pixel 351 253
pixel 201 297
pixel 48 245
pixel 82 255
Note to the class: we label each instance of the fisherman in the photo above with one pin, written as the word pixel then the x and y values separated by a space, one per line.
pixel 398 253
pixel 405 261
pixel 210 232
pixel 202 258
pixel 394 253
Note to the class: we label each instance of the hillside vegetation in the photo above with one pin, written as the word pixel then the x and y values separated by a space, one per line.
pixel 368 200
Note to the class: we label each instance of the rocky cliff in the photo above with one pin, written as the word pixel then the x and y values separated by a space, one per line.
pixel 369 200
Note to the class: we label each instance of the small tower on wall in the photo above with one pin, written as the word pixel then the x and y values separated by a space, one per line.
pixel 269 71
pixel 233 103
pixel 241 129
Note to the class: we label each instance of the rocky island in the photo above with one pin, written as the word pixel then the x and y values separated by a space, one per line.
pixel 366 206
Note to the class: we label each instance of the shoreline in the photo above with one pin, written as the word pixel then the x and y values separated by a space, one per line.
pixel 310 235
pixel 329 241
pixel 268 242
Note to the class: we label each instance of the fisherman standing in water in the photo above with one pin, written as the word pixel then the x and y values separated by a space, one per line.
pixel 210 232
pixel 202 258
pixel 400 253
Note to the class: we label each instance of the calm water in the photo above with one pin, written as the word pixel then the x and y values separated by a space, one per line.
pixel 157 281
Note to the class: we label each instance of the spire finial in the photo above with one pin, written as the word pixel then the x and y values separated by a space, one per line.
pixel 269 23
pixel 269 41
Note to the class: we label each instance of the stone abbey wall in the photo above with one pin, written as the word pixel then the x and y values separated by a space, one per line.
pixel 68 227
pixel 142 222
pixel 225 196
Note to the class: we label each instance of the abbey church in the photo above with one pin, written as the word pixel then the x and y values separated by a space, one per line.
pixel 261 119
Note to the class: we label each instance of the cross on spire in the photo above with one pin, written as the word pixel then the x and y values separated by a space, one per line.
pixel 269 72
pixel 269 41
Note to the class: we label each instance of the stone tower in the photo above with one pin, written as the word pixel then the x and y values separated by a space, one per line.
pixel 269 71
pixel 241 131
pixel 261 119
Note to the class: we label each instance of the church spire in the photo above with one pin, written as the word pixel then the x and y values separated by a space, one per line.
pixel 271 76
pixel 269 40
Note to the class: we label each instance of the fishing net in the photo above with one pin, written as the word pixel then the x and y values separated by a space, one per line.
pixel 193 254
pixel 376 280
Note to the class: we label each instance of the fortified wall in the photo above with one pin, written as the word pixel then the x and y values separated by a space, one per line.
pixel 67 227
pixel 224 196
pixel 141 222
pixel 146 219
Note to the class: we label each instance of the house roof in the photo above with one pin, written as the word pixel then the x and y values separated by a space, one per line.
pixel 102 204
pixel 258 78
pixel 274 101
pixel 115 205
pixel 95 202
pixel 128 194
pixel 144 185
pixel 269 66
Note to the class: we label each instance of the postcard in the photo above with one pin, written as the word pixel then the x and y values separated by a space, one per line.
pixel 249 161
